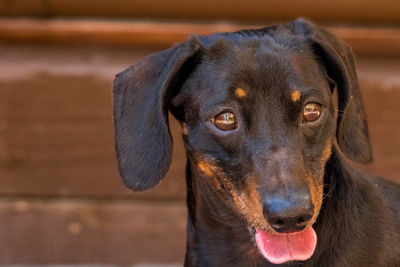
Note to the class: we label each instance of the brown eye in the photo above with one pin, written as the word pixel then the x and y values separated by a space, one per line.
pixel 224 121
pixel 312 111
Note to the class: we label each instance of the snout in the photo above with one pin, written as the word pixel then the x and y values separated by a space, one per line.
pixel 289 212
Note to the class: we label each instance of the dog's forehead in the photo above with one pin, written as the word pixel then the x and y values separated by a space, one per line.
pixel 258 66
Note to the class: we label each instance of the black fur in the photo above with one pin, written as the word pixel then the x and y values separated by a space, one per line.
pixel 359 220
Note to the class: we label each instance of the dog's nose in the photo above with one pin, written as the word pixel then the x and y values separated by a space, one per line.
pixel 289 214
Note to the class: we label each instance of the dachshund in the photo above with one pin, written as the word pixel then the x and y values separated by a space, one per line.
pixel 271 120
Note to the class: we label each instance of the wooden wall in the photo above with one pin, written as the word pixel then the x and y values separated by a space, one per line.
pixel 61 198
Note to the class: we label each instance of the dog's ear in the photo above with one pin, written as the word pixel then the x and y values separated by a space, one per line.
pixel 141 98
pixel 337 57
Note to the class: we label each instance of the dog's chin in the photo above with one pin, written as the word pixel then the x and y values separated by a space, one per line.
pixel 279 248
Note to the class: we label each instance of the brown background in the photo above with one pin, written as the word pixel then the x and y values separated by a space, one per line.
pixel 61 199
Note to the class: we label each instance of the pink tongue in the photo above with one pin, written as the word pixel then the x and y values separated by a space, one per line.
pixel 280 248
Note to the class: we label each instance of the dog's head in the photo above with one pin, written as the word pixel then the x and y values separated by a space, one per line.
pixel 258 119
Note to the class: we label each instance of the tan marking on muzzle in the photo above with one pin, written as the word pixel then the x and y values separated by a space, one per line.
pixel 326 153
pixel 248 204
pixel 246 200
pixel 210 170
pixel 295 95
pixel 317 189
pixel 184 129
pixel 205 167
pixel 240 93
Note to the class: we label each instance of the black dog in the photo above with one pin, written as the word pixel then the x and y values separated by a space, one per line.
pixel 267 181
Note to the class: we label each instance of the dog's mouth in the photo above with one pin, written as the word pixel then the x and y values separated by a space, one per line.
pixel 278 248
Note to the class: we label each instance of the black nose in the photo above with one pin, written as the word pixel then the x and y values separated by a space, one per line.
pixel 289 213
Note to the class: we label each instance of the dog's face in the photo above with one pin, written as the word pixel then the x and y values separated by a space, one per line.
pixel 260 128
pixel 258 124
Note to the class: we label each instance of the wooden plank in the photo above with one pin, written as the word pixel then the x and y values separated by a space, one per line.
pixel 138 33
pixel 89 232
pixel 356 11
pixel 382 41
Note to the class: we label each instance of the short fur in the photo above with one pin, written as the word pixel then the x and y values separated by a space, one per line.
pixel 265 77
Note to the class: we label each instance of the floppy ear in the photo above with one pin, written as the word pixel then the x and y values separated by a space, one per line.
pixel 141 100
pixel 337 57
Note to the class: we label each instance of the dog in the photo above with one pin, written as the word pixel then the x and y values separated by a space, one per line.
pixel 269 177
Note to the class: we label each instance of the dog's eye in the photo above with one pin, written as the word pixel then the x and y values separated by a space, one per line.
pixel 225 121
pixel 312 111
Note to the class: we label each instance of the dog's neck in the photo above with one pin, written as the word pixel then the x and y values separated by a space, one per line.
pixel 346 194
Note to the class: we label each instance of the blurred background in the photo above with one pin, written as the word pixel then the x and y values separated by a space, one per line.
pixel 61 199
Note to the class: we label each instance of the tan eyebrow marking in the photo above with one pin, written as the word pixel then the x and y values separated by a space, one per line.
pixel 240 93
pixel 295 96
